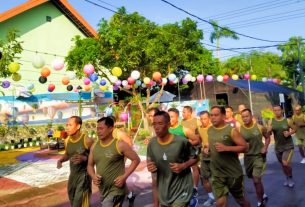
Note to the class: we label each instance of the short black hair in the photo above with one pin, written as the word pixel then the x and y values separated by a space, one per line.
pixel 173 110
pixel 229 107
pixel 164 114
pixel 204 112
pixel 108 121
pixel 154 109
pixel 190 109
pixel 220 108
pixel 249 110
pixel 277 105
pixel 77 119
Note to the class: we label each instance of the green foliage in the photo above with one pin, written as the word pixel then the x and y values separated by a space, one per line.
pixel 267 113
pixel 60 128
pixel 132 42
pixel 10 48
pixel 221 32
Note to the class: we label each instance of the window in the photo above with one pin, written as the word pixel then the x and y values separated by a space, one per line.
pixel 48 18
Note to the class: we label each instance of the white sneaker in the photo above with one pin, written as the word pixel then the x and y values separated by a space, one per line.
pixel 290 183
pixel 303 161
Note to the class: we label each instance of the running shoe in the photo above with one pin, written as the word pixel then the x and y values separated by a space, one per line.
pixel 290 183
pixel 209 202
pixel 131 197
pixel 265 198
pixel 195 192
pixel 303 161
pixel 194 202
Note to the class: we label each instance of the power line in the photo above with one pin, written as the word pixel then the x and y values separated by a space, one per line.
pixel 45 53
pixel 215 25
pixel 104 2
pixel 91 2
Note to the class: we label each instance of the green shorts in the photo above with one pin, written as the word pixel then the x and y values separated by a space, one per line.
pixel 113 200
pixel 177 205
pixel 205 169
pixel 300 141
pixel 285 155
pixel 224 185
pixel 255 165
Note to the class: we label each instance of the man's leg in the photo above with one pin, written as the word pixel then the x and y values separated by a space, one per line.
pixel 155 190
pixel 259 188
pixel 236 188
pixel 221 190
pixel 196 176
pixel 286 159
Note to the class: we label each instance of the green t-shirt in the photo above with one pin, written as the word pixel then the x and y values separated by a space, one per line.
pixel 253 135
pixel 178 130
pixel 77 147
pixel 223 164
pixel 110 164
pixel 282 143
pixel 190 123
pixel 300 131
pixel 172 187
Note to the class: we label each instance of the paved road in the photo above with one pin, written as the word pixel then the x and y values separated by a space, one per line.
pixel 279 196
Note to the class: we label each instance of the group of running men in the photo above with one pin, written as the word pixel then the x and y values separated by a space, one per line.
pixel 180 153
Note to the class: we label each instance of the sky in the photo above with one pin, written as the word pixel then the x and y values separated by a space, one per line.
pixel 273 20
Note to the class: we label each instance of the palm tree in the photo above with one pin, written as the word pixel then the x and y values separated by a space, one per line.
pixel 220 32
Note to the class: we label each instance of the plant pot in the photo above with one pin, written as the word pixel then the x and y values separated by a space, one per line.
pixel 12 147
pixel 6 147
pixel 19 146
pixel 37 144
pixel 25 144
pixel 31 144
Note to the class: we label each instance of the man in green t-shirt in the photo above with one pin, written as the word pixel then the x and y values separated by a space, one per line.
pixel 108 156
pixel 77 150
pixel 282 129
pixel 224 142
pixel 298 120
pixel 170 157
pixel 255 158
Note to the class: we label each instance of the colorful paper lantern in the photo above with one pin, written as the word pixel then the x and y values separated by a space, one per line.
pixel 124 83
pixel 115 87
pixel 13 67
pixel 38 61
pixel 93 77
pixel 247 76
pixel 30 86
pixel 264 79
pixel 5 84
pixel 219 78
pixel 235 77
pixel 103 82
pixel 193 79
pixel 209 78
pixel 45 72
pixel 131 81
pixel 146 80
pixel 253 77
pixel 164 81
pixel 226 78
pixel 58 64
pixel 113 79
pixel 188 77
pixel 71 75
pixel 127 87
pixel 51 87
pixel 87 81
pixel 123 116
pixel 135 74
pixel 118 83
pixel 138 82
pixel 87 88
pixel 184 80
pixel 116 71
pixel 172 77
pixel 88 69
pixel 69 88
pixel 42 79
pixel 200 78
pixel 157 76
pixel 65 80
pixel 16 77
pixel 103 88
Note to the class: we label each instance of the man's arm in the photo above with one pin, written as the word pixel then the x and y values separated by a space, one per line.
pixel 266 135
pixel 192 137
pixel 241 144
pixel 64 158
pixel 90 169
pixel 126 150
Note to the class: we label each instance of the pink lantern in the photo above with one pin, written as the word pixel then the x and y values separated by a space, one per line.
pixel 124 116
pixel 226 78
pixel 87 81
pixel 209 78
pixel 88 69
pixel 200 78
pixel 51 87
pixel 247 76
pixel 130 81
pixel 58 64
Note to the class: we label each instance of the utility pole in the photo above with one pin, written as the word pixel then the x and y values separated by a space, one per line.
pixel 299 66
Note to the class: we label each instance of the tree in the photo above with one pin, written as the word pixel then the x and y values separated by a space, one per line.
pixel 132 42
pixel 262 64
pixel 290 58
pixel 9 48
pixel 220 33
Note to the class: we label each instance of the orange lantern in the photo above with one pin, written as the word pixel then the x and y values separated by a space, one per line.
pixel 45 72
pixel 65 80
pixel 157 76
pixel 87 88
